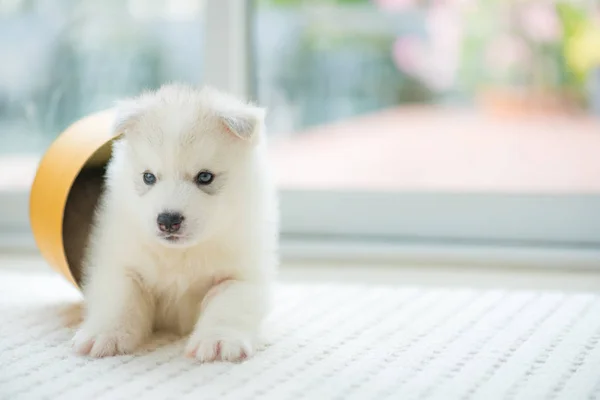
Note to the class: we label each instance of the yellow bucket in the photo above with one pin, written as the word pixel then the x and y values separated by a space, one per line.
pixel 66 188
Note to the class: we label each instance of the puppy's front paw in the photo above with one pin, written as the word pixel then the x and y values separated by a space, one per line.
pixel 105 343
pixel 212 345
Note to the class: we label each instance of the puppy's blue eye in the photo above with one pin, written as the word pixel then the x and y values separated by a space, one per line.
pixel 149 178
pixel 204 178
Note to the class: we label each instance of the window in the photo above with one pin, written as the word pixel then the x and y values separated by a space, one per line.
pixel 422 124
pixel 444 122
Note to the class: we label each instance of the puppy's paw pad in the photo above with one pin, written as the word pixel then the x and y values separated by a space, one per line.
pixel 209 348
pixel 104 344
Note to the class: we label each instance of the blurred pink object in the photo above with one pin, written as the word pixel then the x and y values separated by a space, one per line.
pixel 596 15
pixel 507 51
pixel 409 55
pixel 435 61
pixel 395 5
pixel 540 21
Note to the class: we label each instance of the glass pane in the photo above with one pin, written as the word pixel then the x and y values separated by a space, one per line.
pixel 453 95
pixel 63 59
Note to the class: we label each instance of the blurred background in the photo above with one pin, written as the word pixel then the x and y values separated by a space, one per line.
pixel 395 125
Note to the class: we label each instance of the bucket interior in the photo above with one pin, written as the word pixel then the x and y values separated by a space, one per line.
pixel 79 210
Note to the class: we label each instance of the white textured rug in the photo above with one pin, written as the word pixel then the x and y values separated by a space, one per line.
pixel 329 342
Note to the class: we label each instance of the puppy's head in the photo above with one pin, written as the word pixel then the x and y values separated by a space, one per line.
pixel 186 162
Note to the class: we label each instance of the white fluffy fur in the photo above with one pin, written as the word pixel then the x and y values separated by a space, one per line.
pixel 213 282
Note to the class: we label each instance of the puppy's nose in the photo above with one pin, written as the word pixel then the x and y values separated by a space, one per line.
pixel 169 222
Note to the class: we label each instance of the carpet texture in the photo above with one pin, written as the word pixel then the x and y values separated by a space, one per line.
pixel 327 341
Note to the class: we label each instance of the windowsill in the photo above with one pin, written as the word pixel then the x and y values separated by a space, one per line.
pixel 376 272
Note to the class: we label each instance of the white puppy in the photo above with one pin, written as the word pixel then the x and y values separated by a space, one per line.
pixel 185 235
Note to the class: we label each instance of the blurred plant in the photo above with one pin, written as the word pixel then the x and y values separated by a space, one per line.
pixel 469 45
pixel 433 57
pixel 581 43
pixel 444 50
pixel 537 23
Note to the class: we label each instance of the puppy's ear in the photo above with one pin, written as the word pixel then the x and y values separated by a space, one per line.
pixel 244 123
pixel 128 113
